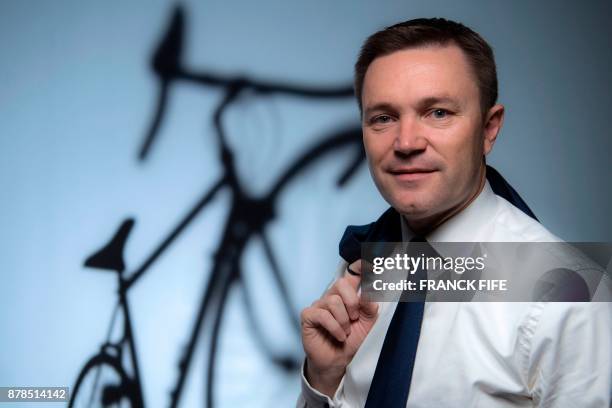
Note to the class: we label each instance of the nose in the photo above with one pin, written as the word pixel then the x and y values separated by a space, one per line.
pixel 410 138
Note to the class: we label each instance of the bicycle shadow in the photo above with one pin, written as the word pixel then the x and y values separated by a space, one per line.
pixel 247 221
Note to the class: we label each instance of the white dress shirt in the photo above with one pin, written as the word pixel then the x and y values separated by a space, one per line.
pixel 493 355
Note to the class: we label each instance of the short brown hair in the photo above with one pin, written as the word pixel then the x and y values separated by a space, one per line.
pixel 432 31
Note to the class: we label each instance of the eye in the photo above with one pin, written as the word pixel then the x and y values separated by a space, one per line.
pixel 381 119
pixel 439 113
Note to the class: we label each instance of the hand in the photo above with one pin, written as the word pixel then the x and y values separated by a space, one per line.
pixel 333 329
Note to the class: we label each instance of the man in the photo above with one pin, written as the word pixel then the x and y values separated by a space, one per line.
pixel 427 92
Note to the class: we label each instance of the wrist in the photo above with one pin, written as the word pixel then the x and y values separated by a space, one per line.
pixel 325 381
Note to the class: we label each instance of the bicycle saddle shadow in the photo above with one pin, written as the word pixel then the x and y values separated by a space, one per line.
pixel 110 256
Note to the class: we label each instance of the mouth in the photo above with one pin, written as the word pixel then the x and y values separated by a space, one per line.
pixel 411 173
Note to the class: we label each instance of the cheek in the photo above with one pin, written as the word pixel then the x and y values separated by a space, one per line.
pixel 465 147
pixel 461 152
pixel 375 148
pixel 373 162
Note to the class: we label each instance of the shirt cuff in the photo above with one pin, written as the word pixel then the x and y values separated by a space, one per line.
pixel 315 399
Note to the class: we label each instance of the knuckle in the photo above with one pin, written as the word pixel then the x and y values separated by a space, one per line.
pixel 305 314
pixel 336 300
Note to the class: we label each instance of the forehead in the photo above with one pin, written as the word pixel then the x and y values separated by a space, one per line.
pixel 413 74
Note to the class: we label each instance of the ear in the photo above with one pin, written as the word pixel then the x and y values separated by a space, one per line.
pixel 494 120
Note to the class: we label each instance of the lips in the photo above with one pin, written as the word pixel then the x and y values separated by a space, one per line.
pixel 410 173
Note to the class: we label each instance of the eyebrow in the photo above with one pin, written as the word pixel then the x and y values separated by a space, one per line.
pixel 436 100
pixel 421 104
pixel 383 106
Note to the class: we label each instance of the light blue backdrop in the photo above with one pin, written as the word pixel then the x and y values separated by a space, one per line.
pixel 76 96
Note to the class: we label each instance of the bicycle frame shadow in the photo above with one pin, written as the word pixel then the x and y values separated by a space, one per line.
pixel 248 217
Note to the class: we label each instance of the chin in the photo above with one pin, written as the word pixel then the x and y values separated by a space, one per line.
pixel 411 208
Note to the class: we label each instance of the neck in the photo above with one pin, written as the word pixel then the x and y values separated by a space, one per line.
pixel 425 226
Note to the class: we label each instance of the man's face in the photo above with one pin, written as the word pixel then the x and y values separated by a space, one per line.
pixel 424 132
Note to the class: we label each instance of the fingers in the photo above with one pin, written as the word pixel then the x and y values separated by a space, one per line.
pixel 341 305
pixel 346 290
pixel 353 279
pixel 316 316
pixel 335 305
pixel 347 287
